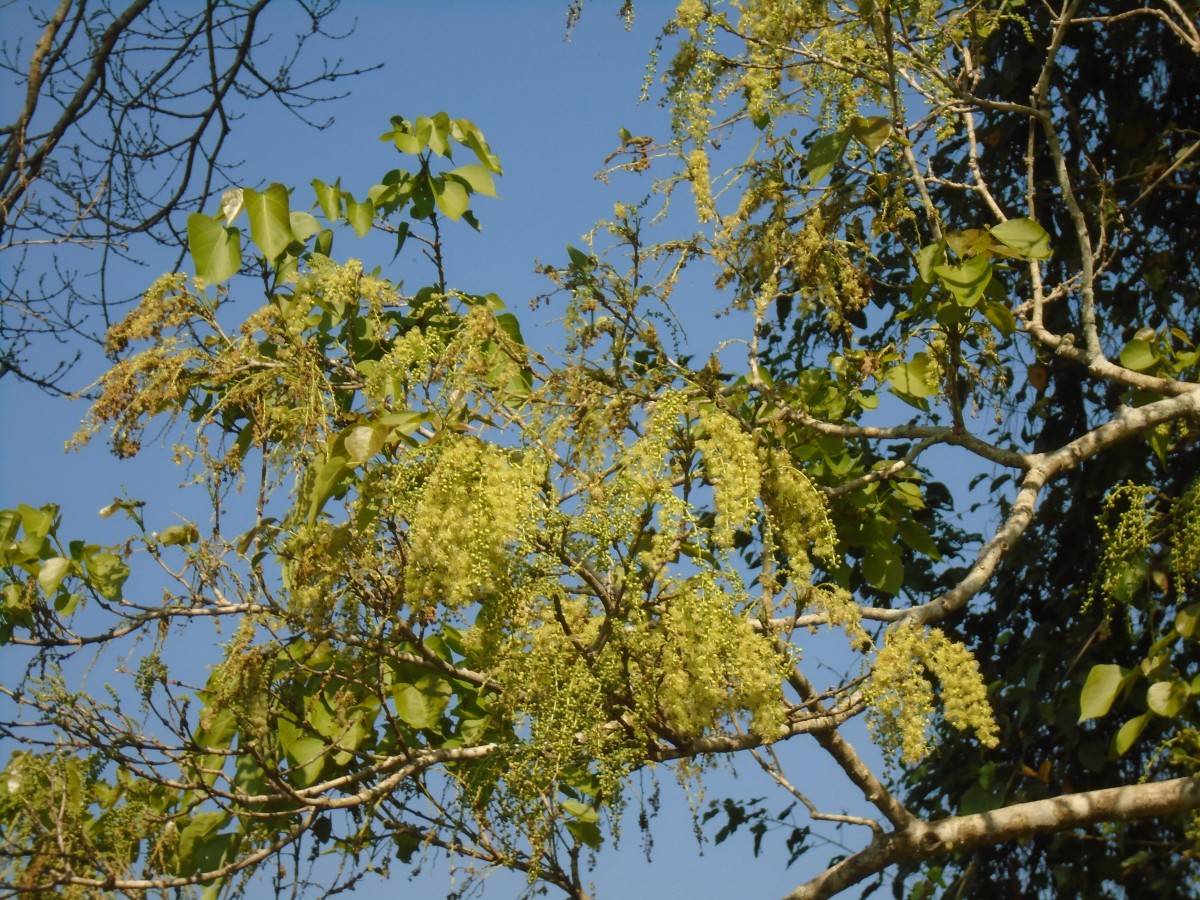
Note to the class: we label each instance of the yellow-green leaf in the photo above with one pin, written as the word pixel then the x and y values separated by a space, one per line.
pixel 477 176
pixel 359 215
pixel 1129 732
pixel 872 132
pixel 1167 697
pixel 304 225
pixel 451 197
pixel 1138 355
pixel 364 441
pixel 216 250
pixel 967 280
pixel 825 153
pixel 331 475
pixel 1025 236
pixel 1187 620
pixel 329 198
pixel 1100 690
pixel 270 219
pixel 52 573
pixel 916 378
pixel 178 534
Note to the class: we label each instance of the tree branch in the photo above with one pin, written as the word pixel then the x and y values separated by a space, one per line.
pixel 962 834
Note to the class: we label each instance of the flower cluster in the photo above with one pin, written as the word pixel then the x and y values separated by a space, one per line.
pixel 1125 522
pixel 799 515
pixel 1185 538
pixel 476 502
pixel 901 694
pixel 731 464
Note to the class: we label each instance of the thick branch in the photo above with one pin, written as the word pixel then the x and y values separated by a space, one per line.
pixel 962 834
pixel 1125 425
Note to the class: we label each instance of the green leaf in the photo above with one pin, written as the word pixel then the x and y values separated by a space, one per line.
pixel 52 573
pixel 872 132
pixel 421 703
pixel 587 833
pixel 867 399
pixel 1138 355
pixel 1128 733
pixel 307 755
pixel 511 326
pixel 107 573
pixel 474 717
pixel 917 536
pixel 218 732
pixel 319 717
pixel 178 534
pixel 38 522
pixel 393 192
pixel 882 568
pixel 407 844
pixel 970 242
pixel 329 198
pixel 439 133
pixel 1025 236
pixel 916 378
pixel 304 225
pixel 577 809
pixel 928 257
pixel 364 441
pixel 216 250
pixel 304 751
pixel 406 141
pixel 351 737
pixel 270 219
pixel 1130 581
pixel 199 830
pixel 1000 316
pixel 451 197
pixel 977 799
pixel 1103 684
pixel 422 199
pixel 405 421
pixel 10 523
pixel 908 493
pixel 583 823
pixel 1187 621
pixel 967 280
pixel 218 850
pixel 401 237
pixel 477 176
pixel 472 138
pixel 825 153
pixel 1167 697
pixel 580 261
pixel 359 215
pixel 330 477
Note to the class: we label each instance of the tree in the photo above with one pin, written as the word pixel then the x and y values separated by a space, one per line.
pixel 1130 120
pixel 472 590
pixel 125 114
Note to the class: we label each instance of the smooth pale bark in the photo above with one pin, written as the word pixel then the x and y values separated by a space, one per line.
pixel 958 834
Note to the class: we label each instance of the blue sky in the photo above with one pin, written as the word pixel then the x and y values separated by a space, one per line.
pixel 551 110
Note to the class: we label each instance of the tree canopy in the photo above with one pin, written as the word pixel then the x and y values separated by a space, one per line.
pixel 462 591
